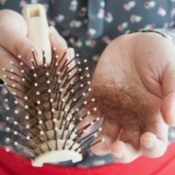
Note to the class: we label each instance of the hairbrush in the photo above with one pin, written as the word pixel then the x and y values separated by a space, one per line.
pixel 49 100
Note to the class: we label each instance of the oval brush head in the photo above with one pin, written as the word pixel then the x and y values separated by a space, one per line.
pixel 50 99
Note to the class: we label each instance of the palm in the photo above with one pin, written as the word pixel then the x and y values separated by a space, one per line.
pixel 128 90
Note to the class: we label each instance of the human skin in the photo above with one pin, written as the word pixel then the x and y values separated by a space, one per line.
pixel 133 85
pixel 14 42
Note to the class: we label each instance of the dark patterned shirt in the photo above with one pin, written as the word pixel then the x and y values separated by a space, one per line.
pixel 89 25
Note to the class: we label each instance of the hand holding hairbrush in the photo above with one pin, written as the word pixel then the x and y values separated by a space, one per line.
pixel 50 95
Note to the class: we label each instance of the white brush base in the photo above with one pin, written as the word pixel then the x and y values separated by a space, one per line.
pixel 57 156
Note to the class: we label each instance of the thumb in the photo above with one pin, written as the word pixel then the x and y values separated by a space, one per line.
pixel 168 85
pixel 14 36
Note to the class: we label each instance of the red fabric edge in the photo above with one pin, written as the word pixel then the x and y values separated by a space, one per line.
pixel 12 164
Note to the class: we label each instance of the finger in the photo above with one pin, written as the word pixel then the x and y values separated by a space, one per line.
pixel 101 148
pixel 168 105
pixel 154 140
pixel 62 51
pixel 5 59
pixel 123 152
pixel 88 124
pixel 14 39
pixel 151 146
pixel 110 133
pixel 90 115
pixel 8 77
pixel 157 126
pixel 57 41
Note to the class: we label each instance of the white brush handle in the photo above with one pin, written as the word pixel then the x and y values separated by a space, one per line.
pixel 36 20
pixel 35 17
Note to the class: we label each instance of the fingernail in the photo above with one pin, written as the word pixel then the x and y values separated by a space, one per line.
pixel 118 155
pixel 52 30
pixel 53 33
pixel 171 121
pixel 70 53
pixel 148 143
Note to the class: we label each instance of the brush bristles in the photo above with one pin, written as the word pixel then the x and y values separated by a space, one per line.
pixel 50 99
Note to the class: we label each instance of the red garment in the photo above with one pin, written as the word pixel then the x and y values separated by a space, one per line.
pixel 12 164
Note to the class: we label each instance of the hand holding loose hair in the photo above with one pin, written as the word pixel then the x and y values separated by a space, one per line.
pixel 133 85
